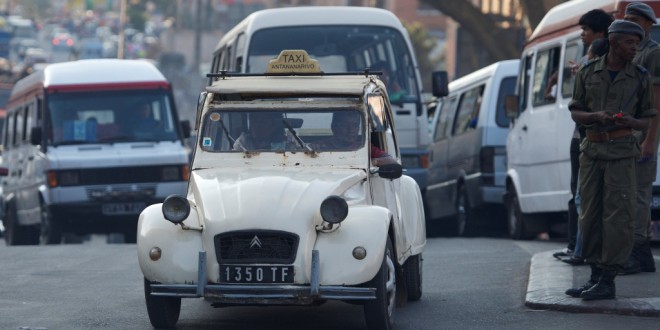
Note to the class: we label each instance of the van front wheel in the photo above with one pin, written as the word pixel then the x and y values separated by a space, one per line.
pixel 51 229
pixel 515 217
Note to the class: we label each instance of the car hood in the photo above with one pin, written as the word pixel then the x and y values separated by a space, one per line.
pixel 265 198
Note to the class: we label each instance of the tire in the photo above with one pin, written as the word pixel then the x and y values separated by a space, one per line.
pixel 412 269
pixel 379 312
pixel 163 311
pixel 16 234
pixel 51 230
pixel 515 217
pixel 130 234
pixel 463 212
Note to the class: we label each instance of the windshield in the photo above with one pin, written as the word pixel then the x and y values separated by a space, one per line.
pixel 278 131
pixel 343 49
pixel 112 116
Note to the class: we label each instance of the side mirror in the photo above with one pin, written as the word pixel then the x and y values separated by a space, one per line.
pixel 35 136
pixel 4 171
pixel 185 126
pixel 511 106
pixel 440 83
pixel 294 122
pixel 390 171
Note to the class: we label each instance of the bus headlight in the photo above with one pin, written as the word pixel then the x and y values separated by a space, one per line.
pixel 334 209
pixel 176 208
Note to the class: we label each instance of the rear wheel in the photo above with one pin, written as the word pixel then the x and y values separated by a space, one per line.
pixel 463 212
pixel 412 269
pixel 379 312
pixel 515 217
pixel 163 311
pixel 51 229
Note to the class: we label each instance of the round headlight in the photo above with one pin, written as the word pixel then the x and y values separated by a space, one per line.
pixel 334 209
pixel 176 208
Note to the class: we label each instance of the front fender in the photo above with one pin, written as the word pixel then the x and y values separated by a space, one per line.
pixel 413 227
pixel 178 262
pixel 365 226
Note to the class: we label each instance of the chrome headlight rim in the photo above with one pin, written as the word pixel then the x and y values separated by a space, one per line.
pixel 334 209
pixel 176 208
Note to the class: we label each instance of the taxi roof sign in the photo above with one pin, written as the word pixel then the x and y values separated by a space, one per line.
pixel 293 61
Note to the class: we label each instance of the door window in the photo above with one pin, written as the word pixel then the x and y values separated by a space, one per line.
pixel 544 87
pixel 468 110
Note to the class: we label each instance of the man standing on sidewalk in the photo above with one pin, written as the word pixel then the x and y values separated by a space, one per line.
pixel 607 104
pixel 648 56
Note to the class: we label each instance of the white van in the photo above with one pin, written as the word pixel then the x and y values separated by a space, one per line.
pixel 467 156
pixel 88 145
pixel 538 176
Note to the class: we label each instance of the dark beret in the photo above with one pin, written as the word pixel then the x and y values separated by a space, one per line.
pixel 626 27
pixel 641 9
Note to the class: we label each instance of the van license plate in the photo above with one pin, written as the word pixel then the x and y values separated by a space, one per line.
pixel 655 202
pixel 122 208
pixel 256 274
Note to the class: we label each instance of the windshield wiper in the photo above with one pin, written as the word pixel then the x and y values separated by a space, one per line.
pixel 111 139
pixel 231 139
pixel 295 136
pixel 69 143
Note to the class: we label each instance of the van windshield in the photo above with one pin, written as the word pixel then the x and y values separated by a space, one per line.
pixel 262 130
pixel 110 116
pixel 343 49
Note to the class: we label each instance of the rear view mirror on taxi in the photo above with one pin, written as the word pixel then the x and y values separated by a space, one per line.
pixel 440 82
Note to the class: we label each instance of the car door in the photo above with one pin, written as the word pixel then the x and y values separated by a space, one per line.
pixel 437 192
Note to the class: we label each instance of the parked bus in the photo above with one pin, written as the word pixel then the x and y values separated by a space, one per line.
pixel 342 39
pixel 538 176
pixel 88 145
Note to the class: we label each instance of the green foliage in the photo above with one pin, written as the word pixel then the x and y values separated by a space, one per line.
pixel 423 44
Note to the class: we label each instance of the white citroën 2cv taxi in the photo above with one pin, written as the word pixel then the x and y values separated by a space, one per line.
pixel 285 204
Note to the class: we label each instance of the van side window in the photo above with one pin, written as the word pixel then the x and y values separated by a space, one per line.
pixel 18 135
pixel 507 87
pixel 9 132
pixel 27 123
pixel 240 49
pixel 572 55
pixel 446 117
pixel 468 110
pixel 523 83
pixel 544 87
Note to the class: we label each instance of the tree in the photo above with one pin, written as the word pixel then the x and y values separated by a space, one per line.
pixel 483 27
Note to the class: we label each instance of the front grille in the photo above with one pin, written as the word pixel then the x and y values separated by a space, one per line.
pixel 256 246
pixel 114 175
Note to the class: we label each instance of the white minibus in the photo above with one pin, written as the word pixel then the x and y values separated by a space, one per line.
pixel 538 175
pixel 342 39
pixel 88 145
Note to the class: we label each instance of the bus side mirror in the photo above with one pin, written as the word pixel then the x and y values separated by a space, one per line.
pixel 511 107
pixel 440 83
pixel 185 126
pixel 35 136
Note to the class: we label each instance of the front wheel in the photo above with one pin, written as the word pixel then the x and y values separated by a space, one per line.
pixel 163 311
pixel 379 312
pixel 15 234
pixel 515 217
pixel 412 269
pixel 51 229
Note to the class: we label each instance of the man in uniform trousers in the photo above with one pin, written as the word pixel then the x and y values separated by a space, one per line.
pixel 611 97
pixel 648 56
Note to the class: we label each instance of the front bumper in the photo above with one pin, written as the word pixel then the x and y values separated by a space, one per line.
pixel 241 294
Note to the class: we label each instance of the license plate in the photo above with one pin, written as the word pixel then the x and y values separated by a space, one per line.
pixel 122 208
pixel 655 202
pixel 256 274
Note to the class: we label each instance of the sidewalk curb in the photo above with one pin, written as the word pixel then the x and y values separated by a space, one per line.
pixel 548 280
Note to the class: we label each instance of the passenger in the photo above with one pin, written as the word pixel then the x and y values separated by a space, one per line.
pixel 345 128
pixel 145 123
pixel 394 90
pixel 265 133
pixel 648 56
pixel 608 155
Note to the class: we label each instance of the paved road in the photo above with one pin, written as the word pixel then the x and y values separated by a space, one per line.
pixel 477 283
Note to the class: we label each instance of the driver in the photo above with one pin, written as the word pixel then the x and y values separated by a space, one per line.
pixel 265 133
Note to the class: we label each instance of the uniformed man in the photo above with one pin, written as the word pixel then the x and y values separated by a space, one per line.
pixel 648 56
pixel 611 97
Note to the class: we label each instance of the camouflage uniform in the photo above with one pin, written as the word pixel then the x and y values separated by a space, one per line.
pixel 607 168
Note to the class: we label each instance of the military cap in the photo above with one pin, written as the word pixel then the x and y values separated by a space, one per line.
pixel 641 9
pixel 626 27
